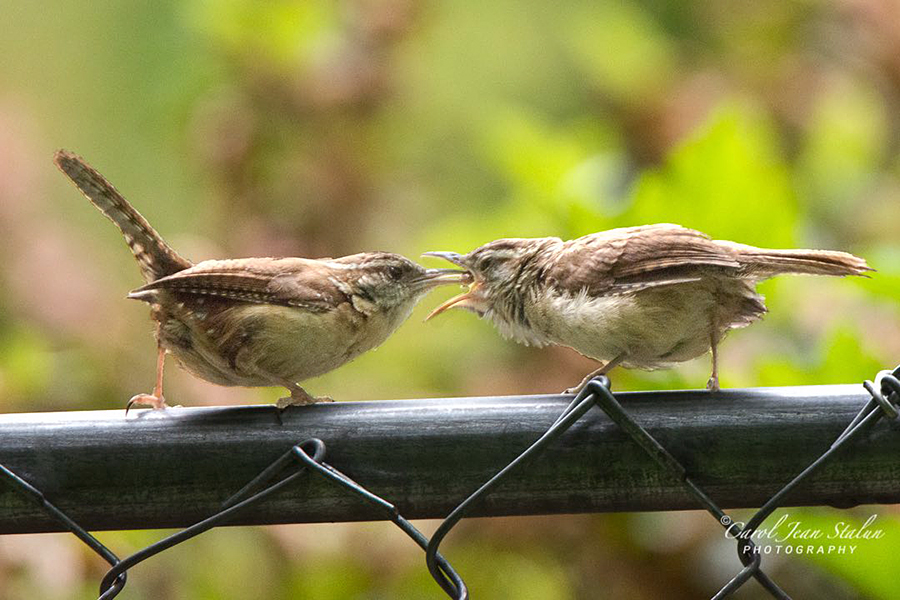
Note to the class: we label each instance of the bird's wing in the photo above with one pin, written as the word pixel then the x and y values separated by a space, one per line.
pixel 286 281
pixel 634 258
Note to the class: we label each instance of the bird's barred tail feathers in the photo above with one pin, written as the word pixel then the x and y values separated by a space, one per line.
pixel 155 258
pixel 762 262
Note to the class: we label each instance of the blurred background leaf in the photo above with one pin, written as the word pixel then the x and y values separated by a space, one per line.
pixel 323 128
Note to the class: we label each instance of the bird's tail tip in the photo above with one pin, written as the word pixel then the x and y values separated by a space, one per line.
pixel 813 262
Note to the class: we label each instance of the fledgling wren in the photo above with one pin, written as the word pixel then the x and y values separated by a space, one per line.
pixel 643 297
pixel 260 321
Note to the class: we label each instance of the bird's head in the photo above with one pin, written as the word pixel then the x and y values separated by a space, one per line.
pixel 389 280
pixel 495 272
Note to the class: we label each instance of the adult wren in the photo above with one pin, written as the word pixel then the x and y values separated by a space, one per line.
pixel 641 297
pixel 260 321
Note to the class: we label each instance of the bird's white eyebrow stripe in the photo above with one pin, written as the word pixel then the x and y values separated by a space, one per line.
pixel 501 253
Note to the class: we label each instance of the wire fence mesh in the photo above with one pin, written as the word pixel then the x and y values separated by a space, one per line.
pixel 308 458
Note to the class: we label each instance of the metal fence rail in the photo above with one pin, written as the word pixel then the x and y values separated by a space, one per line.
pixel 172 469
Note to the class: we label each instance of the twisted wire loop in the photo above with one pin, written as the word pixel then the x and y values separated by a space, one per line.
pixel 231 506
pixel 306 456
pixel 884 401
pixel 29 491
pixel 885 392
pixel 576 409
pixel 303 457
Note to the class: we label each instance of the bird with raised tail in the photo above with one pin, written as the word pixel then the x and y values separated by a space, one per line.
pixel 260 321
pixel 641 297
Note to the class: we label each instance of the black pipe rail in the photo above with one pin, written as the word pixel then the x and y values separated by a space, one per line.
pixel 173 468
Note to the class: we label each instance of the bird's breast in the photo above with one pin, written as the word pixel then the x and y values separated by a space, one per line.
pixel 265 344
pixel 650 328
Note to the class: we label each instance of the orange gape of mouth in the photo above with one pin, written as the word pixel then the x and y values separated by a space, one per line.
pixel 465 300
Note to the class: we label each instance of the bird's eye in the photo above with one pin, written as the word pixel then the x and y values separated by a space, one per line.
pixel 395 272
pixel 485 263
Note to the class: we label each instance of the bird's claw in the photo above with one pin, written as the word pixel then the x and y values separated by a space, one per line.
pixel 155 402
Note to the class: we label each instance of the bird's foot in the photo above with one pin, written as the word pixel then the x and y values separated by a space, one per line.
pixel 603 370
pixel 300 398
pixel 713 384
pixel 575 389
pixel 587 378
pixel 154 401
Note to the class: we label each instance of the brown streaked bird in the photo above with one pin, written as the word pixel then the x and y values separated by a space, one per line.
pixel 260 321
pixel 641 297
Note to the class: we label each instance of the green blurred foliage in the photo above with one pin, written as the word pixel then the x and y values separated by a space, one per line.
pixel 731 167
pixel 282 33
pixel 324 128
pixel 862 564
pixel 621 47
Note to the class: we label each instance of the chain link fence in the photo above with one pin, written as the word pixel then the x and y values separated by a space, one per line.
pixel 308 459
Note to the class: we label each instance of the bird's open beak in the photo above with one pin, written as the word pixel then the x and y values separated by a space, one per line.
pixel 436 277
pixel 470 298
pixel 464 300
pixel 455 258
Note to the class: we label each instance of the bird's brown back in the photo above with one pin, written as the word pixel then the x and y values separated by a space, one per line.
pixel 633 258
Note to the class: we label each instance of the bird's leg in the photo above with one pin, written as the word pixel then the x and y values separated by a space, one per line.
pixel 155 399
pixel 713 384
pixel 601 371
pixel 299 397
